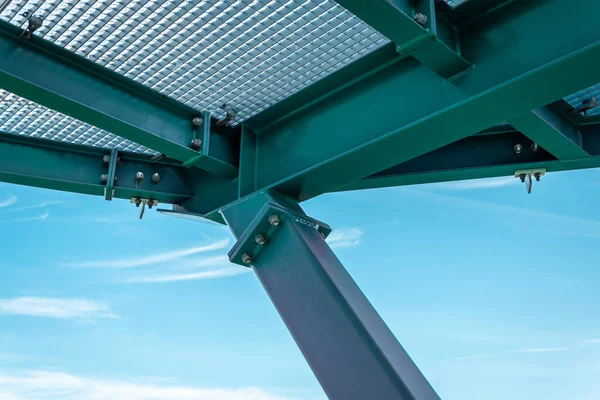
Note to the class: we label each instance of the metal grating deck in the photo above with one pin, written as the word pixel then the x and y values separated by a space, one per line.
pixel 246 54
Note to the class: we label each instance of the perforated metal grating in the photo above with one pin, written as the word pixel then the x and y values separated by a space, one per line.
pixel 247 54
pixel 577 100
pixel 21 116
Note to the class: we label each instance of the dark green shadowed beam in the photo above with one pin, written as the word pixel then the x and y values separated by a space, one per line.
pixel 481 156
pixel 49 75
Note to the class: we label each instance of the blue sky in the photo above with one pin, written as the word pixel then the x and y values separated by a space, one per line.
pixel 492 291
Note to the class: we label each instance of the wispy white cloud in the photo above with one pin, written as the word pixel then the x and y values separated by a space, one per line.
pixel 9 201
pixel 55 308
pixel 151 259
pixel 39 217
pixel 593 340
pixel 32 207
pixel 545 221
pixel 543 350
pixel 518 351
pixel 477 183
pixel 202 262
pixel 50 385
pixel 211 274
pixel 342 238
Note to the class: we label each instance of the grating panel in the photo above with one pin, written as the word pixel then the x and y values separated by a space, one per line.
pixel 246 54
pixel 580 99
pixel 21 116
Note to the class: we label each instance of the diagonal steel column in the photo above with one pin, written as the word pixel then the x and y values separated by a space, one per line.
pixel 352 352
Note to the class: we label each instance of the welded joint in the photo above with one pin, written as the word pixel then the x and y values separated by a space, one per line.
pixel 262 228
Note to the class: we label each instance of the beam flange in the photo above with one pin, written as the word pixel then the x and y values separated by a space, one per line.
pixel 552 132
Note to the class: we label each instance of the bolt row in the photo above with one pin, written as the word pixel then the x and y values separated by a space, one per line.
pixel 260 239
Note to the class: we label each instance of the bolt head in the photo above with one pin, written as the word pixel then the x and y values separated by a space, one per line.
pixel 138 202
pixel 537 176
pixel 196 143
pixel 518 149
pixel 106 159
pixel 103 178
pixel 247 258
pixel 197 122
pixel 260 239
pixel 139 176
pixel 420 19
pixel 155 177
pixel 535 147
pixel 274 220
pixel 150 204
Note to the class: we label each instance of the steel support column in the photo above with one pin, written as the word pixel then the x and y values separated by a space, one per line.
pixel 353 354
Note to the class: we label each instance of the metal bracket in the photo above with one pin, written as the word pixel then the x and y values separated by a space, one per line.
pixel 137 201
pixel 526 174
pixel 263 227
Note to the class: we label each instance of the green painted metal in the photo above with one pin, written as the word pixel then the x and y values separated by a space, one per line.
pixel 404 110
pixel 247 178
pixel 380 113
pixel 217 144
pixel 481 156
pixel 84 90
pixel 394 19
pixel 352 352
pixel 74 168
pixel 109 190
pixel 553 132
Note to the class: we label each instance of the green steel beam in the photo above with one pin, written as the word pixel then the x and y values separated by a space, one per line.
pixel 553 132
pixel 481 156
pixel 395 20
pixel 470 11
pixel 75 168
pixel 402 110
pixel 52 76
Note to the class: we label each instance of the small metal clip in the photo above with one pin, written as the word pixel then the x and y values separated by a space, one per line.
pixel 33 23
pixel 229 116
pixel 526 176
